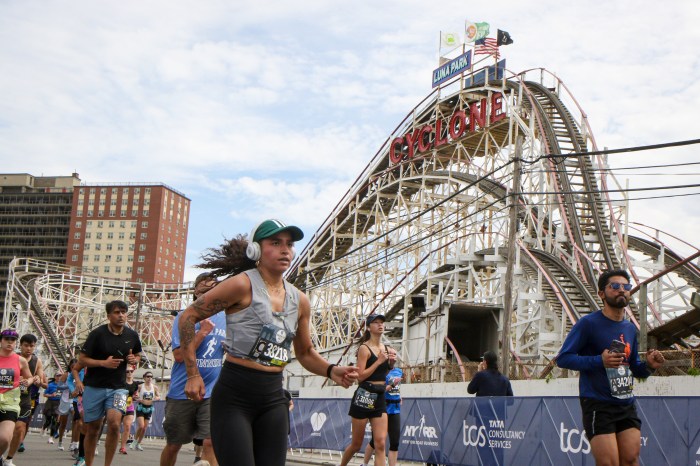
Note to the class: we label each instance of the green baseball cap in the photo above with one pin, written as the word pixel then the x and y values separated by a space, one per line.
pixel 272 227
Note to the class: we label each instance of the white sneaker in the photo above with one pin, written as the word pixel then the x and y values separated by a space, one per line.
pixel 60 447
pixel 50 440
pixel 139 447
pixel 7 462
pixel 97 452
pixel 202 463
pixel 133 444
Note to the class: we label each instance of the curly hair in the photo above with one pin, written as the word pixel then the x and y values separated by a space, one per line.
pixel 227 259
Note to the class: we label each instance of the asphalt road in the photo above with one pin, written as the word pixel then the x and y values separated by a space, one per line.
pixel 39 453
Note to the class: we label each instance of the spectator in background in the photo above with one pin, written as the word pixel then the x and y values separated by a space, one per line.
pixel 489 381
pixel 50 411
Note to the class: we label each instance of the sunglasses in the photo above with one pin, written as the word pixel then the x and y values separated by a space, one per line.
pixel 129 372
pixel 617 286
pixel 147 376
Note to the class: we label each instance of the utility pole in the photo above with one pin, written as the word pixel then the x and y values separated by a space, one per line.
pixel 510 265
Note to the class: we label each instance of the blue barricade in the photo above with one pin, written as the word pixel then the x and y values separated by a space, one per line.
pixel 505 431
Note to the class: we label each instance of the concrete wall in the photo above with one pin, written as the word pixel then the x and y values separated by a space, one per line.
pixel 684 385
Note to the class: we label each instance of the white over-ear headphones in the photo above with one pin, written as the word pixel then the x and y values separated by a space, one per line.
pixel 253 251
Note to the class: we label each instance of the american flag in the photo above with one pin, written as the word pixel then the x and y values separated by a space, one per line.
pixel 486 46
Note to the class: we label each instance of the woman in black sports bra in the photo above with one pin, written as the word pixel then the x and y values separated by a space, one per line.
pixel 368 401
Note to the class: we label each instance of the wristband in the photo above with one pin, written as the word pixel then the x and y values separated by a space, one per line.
pixel 193 376
pixel 328 371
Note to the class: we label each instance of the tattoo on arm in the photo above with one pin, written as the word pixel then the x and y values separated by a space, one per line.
pixel 204 311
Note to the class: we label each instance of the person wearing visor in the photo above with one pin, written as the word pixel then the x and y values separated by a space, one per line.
pixel 14 372
pixel 265 316
pixel 368 403
pixel 602 346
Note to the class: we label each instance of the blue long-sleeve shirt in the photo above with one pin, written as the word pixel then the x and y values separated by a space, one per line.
pixel 583 348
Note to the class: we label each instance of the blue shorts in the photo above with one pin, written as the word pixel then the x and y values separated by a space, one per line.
pixel 96 402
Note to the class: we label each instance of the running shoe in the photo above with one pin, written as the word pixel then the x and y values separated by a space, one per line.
pixel 202 463
pixel 7 462
pixel 122 451
pixel 21 448
pixel 139 447
pixel 50 440
pixel 133 444
pixel 60 447
pixel 79 462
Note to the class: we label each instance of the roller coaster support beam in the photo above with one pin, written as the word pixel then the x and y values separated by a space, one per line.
pixel 642 288
pixel 512 231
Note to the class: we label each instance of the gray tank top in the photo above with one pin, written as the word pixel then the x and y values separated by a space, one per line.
pixel 257 333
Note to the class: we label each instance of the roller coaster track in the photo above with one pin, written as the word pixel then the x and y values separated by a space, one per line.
pixel 433 226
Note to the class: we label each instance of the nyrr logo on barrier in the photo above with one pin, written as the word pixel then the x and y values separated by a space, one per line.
pixel 421 434
pixel 573 441
pixel 317 421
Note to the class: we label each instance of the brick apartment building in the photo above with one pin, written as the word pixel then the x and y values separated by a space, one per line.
pixel 129 231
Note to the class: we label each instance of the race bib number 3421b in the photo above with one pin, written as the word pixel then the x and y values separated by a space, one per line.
pixel 273 346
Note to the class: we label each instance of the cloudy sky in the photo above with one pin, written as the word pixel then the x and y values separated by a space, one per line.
pixel 273 108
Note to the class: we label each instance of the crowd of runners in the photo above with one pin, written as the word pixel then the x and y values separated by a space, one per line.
pixel 230 347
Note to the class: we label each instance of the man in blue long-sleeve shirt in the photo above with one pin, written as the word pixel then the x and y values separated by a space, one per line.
pixel 602 346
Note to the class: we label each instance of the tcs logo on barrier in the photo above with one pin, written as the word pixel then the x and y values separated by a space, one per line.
pixel 473 436
pixel 573 441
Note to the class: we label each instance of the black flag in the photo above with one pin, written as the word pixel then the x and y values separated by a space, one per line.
pixel 503 38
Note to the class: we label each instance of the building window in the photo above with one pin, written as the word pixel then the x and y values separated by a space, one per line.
pixel 88 234
pixel 112 213
pixel 142 258
pixel 120 247
pixel 131 247
pixel 108 258
pixel 76 246
pixel 114 191
pixel 146 202
pixel 135 202
pixel 129 269
pixel 125 202
pixel 132 235
pixel 79 213
pixel 102 202
pixel 100 213
pixel 121 235
pixel 78 224
pixel 113 202
pixel 74 257
pixel 144 224
pixel 103 191
pixel 110 235
pixel 137 190
pixel 145 213
pixel 130 259
pixel 81 191
pixel 95 269
pixel 122 213
pixel 109 247
pixel 91 202
pixel 92 191
pixel 100 224
pixel 139 270
pixel 125 191
pixel 87 246
pixel 133 224
pixel 142 247
pixel 98 246
pixel 76 235
pixel 144 235
pixel 96 258
pixel 148 191
pixel 122 224
pixel 135 213
pixel 98 235
pixel 117 270
pixel 119 258
pixel 111 224
pixel 106 268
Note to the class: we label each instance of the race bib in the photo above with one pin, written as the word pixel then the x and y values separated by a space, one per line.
pixel 621 381
pixel 273 346
pixel 394 391
pixel 365 399
pixel 148 396
pixel 7 378
pixel 120 402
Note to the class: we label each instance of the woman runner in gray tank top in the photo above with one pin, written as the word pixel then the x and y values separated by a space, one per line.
pixel 265 316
